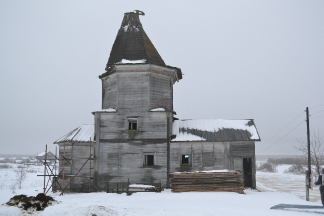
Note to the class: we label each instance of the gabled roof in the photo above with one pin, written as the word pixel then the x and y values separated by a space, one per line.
pixel 80 134
pixel 132 45
pixel 211 130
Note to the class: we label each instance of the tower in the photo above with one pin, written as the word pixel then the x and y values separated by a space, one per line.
pixel 133 129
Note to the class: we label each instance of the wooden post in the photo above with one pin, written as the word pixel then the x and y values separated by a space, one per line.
pixel 168 154
pixel 90 166
pixel 308 155
pixel 63 168
pixel 44 189
pixel 127 189
pixel 55 160
pixel 160 185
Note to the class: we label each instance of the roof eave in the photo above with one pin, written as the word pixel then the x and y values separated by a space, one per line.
pixel 112 69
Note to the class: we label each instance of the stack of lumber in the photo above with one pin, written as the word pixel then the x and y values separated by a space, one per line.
pixel 222 180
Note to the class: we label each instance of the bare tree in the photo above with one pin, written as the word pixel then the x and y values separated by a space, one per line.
pixel 21 175
pixel 316 151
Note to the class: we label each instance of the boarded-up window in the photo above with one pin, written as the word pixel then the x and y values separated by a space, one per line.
pixel 113 159
pixel 238 164
pixel 208 159
pixel 219 159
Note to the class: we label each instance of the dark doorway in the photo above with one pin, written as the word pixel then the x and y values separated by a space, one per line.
pixel 247 170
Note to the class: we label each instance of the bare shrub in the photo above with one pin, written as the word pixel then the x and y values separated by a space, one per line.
pixel 316 151
pixel 31 171
pixel 288 160
pixel 21 175
pixel 267 167
pixel 7 160
pixel 296 169
pixel 13 188
pixel 5 166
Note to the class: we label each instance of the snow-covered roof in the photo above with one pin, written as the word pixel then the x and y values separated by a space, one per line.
pixel 41 154
pixel 214 130
pixel 158 110
pixel 207 171
pixel 80 134
pixel 109 110
pixel 126 61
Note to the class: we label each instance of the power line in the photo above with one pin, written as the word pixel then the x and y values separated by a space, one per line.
pixel 317 117
pixel 283 136
pixel 316 106
pixel 283 128
pixel 292 129
pixel 317 112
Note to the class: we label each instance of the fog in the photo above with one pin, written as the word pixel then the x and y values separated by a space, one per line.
pixel 260 60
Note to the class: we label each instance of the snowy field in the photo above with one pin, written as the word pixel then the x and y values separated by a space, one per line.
pixel 273 189
pixel 288 183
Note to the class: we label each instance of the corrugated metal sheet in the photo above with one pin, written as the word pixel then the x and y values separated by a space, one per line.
pixel 214 130
pixel 80 134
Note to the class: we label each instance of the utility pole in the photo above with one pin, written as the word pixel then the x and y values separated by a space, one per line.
pixel 309 172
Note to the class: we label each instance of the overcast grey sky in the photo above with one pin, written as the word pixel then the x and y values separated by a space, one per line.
pixel 241 59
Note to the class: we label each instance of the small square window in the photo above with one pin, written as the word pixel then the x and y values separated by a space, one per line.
pixel 149 160
pixel 186 160
pixel 132 124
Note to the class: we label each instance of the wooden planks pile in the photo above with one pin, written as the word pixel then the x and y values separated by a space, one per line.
pixel 230 181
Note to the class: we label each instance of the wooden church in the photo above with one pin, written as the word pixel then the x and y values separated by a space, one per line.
pixel 136 135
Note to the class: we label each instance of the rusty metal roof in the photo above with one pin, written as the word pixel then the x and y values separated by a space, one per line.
pixel 80 134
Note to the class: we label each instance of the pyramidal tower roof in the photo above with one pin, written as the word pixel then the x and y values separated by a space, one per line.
pixel 132 45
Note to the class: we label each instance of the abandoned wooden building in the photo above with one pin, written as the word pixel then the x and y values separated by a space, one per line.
pixel 136 135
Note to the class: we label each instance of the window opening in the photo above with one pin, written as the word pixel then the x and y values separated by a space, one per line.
pixel 186 160
pixel 132 124
pixel 149 160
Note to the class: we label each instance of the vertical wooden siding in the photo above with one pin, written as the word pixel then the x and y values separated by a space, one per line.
pixel 77 154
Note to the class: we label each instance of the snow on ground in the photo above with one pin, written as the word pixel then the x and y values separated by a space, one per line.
pixel 275 188
pixel 286 182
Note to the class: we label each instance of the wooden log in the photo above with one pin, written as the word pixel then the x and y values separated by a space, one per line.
pixel 230 181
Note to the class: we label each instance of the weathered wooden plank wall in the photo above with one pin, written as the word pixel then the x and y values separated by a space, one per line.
pixel 204 156
pixel 77 154
pixel 134 90
pixel 151 125
pixel 120 152
pixel 212 156
pixel 121 161
pixel 161 92
pixel 243 149
pixel 109 92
